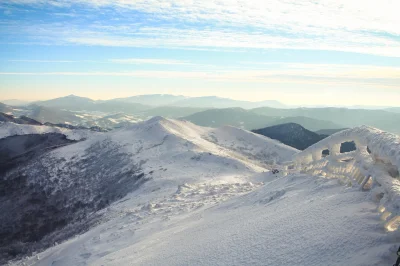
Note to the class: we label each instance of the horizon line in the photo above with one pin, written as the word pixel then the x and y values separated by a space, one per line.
pixel 288 106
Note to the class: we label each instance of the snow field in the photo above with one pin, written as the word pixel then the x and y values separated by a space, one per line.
pixel 294 220
pixel 211 200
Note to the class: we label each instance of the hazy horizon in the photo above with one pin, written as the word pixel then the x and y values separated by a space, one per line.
pixel 260 100
pixel 335 53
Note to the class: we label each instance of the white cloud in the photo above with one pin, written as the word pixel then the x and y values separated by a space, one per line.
pixel 137 61
pixel 367 26
pixel 119 36
pixel 290 73
pixel 349 71
pixel 42 61
pixel 182 38
pixel 149 61
pixel 330 14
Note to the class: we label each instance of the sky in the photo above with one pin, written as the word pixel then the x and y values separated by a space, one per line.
pixel 299 52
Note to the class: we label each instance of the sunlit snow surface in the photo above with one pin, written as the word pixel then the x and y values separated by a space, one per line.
pixel 296 220
pixel 212 201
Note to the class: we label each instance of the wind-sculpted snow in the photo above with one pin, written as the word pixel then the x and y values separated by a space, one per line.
pixel 374 165
pixel 11 129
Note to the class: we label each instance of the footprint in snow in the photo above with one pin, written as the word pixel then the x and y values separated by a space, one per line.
pixel 86 255
pixel 272 196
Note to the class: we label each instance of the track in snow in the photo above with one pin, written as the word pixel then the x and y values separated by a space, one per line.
pixel 294 220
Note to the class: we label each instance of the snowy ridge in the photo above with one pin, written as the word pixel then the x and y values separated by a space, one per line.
pixel 11 129
pixel 375 165
pixel 187 140
pixel 171 153
pixel 254 146
pixel 210 199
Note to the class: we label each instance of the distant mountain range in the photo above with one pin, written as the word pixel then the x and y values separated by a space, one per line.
pixel 196 102
pixel 75 103
pixel 393 109
pixel 171 111
pixel 5 108
pixel 45 114
pixel 247 119
pixel 18 120
pixel 236 117
pixel 291 134
pixel 15 102
pixel 68 102
pixel 307 122
pixel 343 117
pixel 218 102
pixel 143 102
pixel 65 118
pixel 23 120
pixel 202 111
pixel 153 99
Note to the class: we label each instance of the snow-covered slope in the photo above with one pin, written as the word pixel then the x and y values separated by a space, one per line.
pixel 180 150
pixel 11 129
pixel 147 161
pixel 297 220
pixel 207 198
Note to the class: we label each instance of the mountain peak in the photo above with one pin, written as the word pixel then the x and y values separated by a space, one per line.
pixel 291 134
pixel 156 119
pixel 72 96
pixel 290 125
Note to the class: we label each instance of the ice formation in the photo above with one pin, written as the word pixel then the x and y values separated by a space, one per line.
pixel 374 165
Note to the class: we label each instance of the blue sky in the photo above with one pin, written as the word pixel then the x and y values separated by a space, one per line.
pixel 332 52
